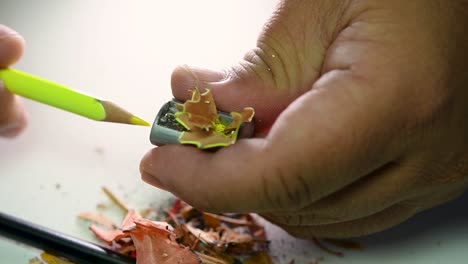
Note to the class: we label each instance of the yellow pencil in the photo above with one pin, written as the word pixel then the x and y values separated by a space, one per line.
pixel 60 96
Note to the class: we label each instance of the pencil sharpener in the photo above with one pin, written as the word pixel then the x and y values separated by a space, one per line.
pixel 166 129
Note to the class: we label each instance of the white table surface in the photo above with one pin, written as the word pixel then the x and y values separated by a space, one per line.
pixel 125 51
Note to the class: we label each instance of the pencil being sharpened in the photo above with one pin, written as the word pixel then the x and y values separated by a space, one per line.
pixel 62 97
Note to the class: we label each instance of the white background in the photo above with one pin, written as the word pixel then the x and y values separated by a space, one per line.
pixel 125 51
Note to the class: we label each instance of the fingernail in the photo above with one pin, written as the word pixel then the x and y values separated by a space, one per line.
pixel 145 166
pixel 15 128
pixel 205 75
pixel 14 118
pixel 11 130
pixel 189 76
pixel 151 180
pixel 6 32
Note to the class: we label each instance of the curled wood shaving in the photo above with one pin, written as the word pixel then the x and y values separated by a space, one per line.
pixel 199 116
pixel 154 243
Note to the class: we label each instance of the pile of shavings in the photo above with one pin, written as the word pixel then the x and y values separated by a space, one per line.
pixel 199 116
pixel 186 236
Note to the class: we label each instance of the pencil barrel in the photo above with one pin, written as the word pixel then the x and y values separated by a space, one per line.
pixel 50 93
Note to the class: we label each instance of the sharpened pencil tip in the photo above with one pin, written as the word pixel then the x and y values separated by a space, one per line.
pixel 117 114
pixel 138 121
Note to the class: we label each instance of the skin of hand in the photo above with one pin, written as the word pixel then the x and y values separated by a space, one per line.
pixel 361 119
pixel 13 117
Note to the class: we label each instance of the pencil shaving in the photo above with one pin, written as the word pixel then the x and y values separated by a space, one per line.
pixel 187 236
pixel 97 219
pixel 199 116
pixel 115 199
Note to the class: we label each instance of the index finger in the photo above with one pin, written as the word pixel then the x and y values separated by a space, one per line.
pixel 322 142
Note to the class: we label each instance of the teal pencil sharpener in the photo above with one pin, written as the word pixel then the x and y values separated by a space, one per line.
pixel 166 129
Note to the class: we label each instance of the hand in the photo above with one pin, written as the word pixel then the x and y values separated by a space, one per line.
pixel 12 114
pixel 361 117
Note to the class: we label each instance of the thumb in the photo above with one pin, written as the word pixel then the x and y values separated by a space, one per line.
pixel 285 63
pixel 233 92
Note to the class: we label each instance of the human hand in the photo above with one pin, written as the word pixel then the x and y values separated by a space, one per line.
pixel 12 114
pixel 361 117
